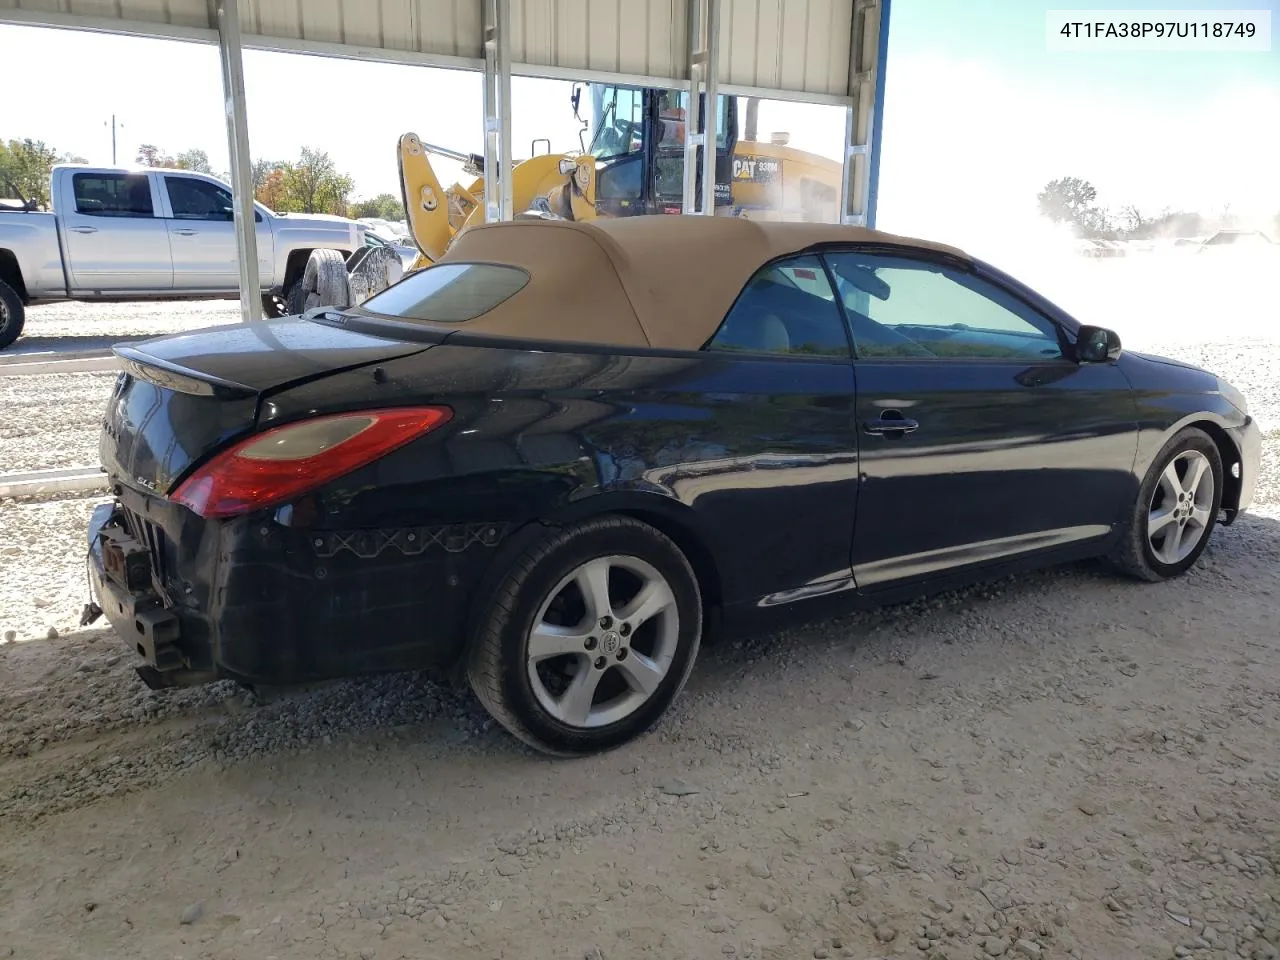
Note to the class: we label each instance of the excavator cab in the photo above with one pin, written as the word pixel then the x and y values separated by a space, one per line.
pixel 637 139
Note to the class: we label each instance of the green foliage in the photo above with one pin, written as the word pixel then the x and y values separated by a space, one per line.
pixel 262 169
pixel 24 170
pixel 384 206
pixel 149 155
pixel 1071 200
pixel 314 185
pixel 196 160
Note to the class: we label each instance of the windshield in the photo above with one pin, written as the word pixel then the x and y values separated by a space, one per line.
pixel 448 292
pixel 618 127
pixel 619 122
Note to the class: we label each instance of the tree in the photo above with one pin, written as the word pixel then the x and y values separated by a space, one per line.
pixel 313 184
pixel 194 159
pixel 271 192
pixel 384 206
pixel 263 169
pixel 1134 221
pixel 25 166
pixel 1066 199
pixel 1071 200
pixel 149 155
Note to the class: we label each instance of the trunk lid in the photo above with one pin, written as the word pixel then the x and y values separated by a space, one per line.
pixel 178 398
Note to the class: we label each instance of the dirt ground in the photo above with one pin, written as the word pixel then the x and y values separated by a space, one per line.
pixel 1064 764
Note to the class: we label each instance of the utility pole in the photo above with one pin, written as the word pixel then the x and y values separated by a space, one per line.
pixel 113 138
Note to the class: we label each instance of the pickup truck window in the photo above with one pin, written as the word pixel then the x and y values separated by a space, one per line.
pixel 113 194
pixel 197 200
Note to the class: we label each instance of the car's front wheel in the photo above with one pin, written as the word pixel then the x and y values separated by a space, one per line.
pixel 1176 509
pixel 588 637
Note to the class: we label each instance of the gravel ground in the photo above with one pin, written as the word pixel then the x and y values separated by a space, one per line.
pixel 84 326
pixel 1058 765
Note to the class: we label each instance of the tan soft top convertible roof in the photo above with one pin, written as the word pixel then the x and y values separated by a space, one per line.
pixel 656 281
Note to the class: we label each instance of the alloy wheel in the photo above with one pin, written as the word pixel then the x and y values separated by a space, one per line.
pixel 603 641
pixel 1180 511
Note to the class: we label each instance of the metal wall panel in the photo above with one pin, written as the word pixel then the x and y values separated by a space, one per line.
pixel 181 13
pixel 448 28
pixel 797 46
pixel 795 49
pixel 643 38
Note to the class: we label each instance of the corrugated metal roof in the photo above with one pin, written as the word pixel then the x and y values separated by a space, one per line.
pixel 791 48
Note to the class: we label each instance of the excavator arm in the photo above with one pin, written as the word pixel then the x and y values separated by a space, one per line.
pixel 555 185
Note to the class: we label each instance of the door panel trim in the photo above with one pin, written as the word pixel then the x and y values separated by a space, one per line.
pixel 929 562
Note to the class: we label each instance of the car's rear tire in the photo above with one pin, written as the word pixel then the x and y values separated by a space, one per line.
pixel 588 636
pixel 1177 506
pixel 13 314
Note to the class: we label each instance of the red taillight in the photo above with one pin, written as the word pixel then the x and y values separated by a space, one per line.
pixel 279 464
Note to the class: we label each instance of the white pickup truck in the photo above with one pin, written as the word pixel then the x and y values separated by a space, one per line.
pixel 150 234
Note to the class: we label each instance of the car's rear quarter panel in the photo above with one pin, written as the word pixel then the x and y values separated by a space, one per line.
pixel 756 458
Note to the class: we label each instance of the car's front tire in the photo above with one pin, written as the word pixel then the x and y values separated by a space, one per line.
pixel 1176 509
pixel 588 637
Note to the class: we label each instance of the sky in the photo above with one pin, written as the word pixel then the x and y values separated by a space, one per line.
pixel 979 114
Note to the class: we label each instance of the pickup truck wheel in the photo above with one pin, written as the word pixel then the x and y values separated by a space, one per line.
pixel 323 283
pixel 274 305
pixel 12 315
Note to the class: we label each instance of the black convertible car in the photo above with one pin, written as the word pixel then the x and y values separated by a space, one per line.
pixel 564 454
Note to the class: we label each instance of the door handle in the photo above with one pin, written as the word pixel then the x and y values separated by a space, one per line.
pixel 84 229
pixel 890 425
pixel 186 232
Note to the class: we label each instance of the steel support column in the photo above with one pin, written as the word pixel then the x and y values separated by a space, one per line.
pixel 498 200
pixel 868 44
pixel 227 14
pixel 712 48
pixel 697 72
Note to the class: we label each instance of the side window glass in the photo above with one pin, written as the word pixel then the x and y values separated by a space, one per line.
pixel 197 200
pixel 112 194
pixel 898 307
pixel 621 179
pixel 787 308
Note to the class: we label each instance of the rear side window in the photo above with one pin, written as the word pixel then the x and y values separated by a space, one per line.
pixel 787 308
pixel 197 200
pixel 448 292
pixel 113 194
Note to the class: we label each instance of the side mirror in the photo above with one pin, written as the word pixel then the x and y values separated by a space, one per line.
pixel 1097 345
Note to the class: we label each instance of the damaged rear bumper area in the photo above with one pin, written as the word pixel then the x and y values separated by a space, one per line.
pixel 259 601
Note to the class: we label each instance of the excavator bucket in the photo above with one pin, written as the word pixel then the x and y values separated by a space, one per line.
pixel 425 205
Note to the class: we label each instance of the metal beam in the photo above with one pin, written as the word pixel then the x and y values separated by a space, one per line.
pixel 697 72
pixel 227 15
pixel 712 41
pixel 877 128
pixel 498 201
pixel 867 42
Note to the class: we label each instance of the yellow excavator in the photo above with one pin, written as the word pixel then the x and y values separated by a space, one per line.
pixel 633 164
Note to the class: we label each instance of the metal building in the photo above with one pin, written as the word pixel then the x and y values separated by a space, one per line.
pixel 816 51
